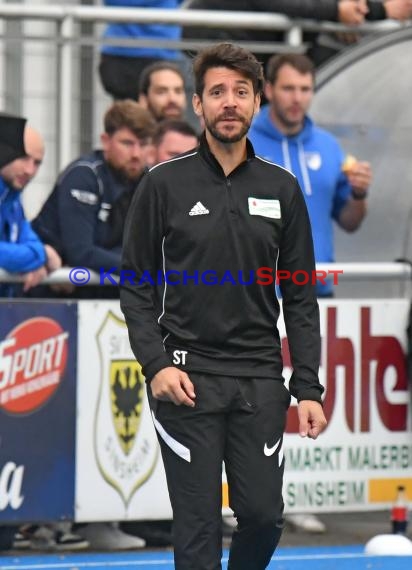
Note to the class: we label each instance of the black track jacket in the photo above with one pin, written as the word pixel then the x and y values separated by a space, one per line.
pixel 212 232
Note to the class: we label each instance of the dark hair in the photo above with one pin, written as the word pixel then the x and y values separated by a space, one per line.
pixel 172 126
pixel 129 114
pixel 230 56
pixel 298 61
pixel 146 74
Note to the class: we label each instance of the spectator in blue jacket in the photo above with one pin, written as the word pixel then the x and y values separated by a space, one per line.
pixel 120 66
pixel 283 133
pixel 21 250
pixel 11 147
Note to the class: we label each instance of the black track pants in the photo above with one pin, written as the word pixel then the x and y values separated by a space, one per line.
pixel 241 422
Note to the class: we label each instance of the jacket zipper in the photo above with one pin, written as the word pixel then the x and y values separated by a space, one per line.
pixel 232 206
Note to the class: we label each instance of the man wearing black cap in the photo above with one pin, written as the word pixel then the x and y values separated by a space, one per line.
pixel 11 138
pixel 21 251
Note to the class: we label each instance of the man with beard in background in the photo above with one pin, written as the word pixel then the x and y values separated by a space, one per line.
pixel 162 90
pixel 75 219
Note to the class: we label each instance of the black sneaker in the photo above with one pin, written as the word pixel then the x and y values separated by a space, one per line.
pixel 69 541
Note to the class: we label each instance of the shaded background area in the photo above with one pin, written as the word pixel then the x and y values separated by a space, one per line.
pixel 364 98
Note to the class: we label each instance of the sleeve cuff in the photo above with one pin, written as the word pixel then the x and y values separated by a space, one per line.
pixel 376 11
pixel 310 394
pixel 152 368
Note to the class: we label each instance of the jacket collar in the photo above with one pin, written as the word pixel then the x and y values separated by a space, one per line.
pixel 209 157
pixel 6 192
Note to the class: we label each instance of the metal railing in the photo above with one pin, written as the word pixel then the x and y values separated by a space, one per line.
pixel 377 271
pixel 66 17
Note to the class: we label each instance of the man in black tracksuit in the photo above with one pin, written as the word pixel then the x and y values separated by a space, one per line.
pixel 205 233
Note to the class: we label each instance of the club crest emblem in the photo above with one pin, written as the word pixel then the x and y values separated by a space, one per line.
pixel 313 160
pixel 125 442
pixel 126 393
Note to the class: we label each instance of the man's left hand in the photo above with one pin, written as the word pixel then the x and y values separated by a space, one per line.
pixel 360 177
pixel 312 420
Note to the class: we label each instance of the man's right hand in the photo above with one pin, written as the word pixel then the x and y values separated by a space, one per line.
pixel 33 278
pixel 54 261
pixel 173 385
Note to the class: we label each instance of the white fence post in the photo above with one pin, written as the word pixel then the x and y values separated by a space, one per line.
pixel 65 112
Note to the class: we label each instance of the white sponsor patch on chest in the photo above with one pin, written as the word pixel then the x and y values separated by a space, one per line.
pixel 313 160
pixel 265 208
